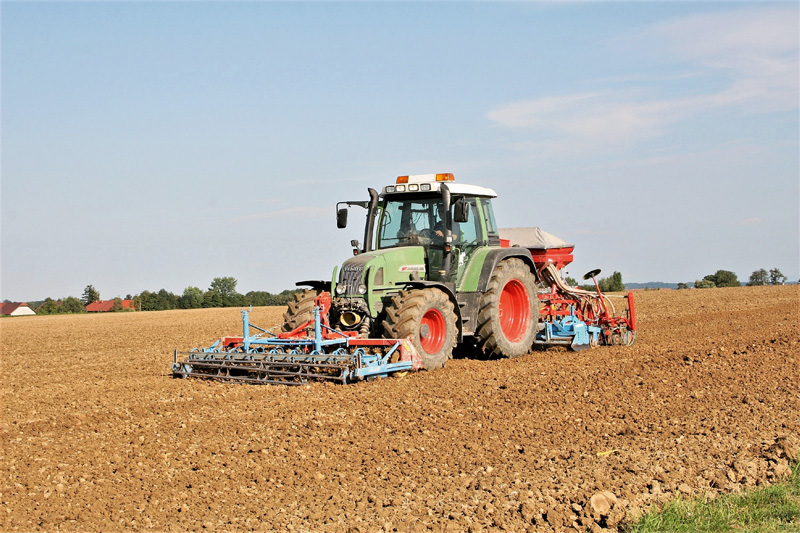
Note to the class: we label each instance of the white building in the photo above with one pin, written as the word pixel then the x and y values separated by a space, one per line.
pixel 15 309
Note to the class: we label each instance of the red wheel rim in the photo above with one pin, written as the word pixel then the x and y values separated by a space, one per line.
pixel 514 310
pixel 432 331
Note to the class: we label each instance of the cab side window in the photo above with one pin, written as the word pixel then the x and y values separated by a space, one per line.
pixel 492 232
pixel 469 231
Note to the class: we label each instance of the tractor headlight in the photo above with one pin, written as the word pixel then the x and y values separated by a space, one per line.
pixel 340 289
pixel 362 289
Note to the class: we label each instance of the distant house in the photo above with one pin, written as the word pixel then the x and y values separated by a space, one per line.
pixel 104 306
pixel 16 309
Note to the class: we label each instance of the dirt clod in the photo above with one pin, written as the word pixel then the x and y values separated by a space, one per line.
pixel 600 505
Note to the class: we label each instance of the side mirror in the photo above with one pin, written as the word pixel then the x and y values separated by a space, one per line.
pixel 341 218
pixel 461 211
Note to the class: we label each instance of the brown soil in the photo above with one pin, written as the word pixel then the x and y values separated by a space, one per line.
pixel 96 436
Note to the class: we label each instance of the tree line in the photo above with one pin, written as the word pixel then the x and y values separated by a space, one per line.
pixel 720 278
pixel 726 278
pixel 221 293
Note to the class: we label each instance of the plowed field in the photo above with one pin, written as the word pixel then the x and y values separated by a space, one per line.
pixel 96 436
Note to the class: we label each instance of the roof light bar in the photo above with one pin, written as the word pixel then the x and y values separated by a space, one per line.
pixel 422 178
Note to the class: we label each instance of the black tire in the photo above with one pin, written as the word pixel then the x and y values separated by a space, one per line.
pixel 509 311
pixel 299 310
pixel 427 316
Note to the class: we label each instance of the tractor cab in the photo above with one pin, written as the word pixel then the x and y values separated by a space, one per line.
pixel 448 220
pixel 431 204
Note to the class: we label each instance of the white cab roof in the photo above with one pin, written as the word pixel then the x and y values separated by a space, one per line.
pixel 428 183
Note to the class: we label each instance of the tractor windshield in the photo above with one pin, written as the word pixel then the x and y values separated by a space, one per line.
pixel 411 222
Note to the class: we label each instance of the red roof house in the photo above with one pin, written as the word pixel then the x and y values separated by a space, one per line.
pixel 15 309
pixel 104 306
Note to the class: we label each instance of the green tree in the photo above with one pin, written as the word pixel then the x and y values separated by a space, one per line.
pixel 704 284
pixel 90 294
pixel 613 283
pixel 144 301
pixel 117 305
pixel 758 277
pixel 723 278
pixel 233 300
pixel 166 300
pixel 572 282
pixel 48 307
pixel 224 291
pixel 212 299
pixel 257 298
pixel 192 298
pixel 70 304
pixel 682 286
pixel 156 301
pixel 776 277
pixel 223 286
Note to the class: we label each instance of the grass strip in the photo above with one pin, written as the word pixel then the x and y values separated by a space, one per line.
pixel 774 508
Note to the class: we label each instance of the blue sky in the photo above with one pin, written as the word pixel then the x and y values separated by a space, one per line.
pixel 159 145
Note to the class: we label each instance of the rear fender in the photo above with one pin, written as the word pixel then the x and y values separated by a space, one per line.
pixel 494 257
pixel 316 284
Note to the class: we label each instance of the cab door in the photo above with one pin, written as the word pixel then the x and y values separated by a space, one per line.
pixel 467 238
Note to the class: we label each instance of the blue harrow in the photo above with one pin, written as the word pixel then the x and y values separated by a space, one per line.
pixel 311 352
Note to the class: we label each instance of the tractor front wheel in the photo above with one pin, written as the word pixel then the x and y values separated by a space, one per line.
pixel 428 318
pixel 299 310
pixel 508 314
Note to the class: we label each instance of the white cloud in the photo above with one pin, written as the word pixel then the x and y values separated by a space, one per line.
pixel 753 52
pixel 536 112
pixel 734 38
pixel 599 118
pixel 757 47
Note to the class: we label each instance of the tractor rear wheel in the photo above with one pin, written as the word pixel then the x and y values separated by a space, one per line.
pixel 509 311
pixel 299 310
pixel 427 317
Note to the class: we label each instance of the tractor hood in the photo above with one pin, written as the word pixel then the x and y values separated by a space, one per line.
pixel 380 269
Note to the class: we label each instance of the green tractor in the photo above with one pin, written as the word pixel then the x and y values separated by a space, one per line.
pixel 431 269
